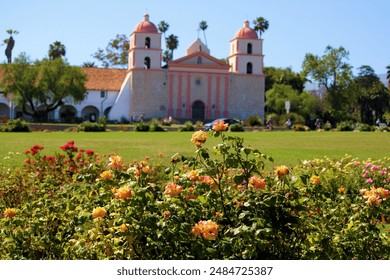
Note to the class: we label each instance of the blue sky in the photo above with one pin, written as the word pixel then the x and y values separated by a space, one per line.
pixel 296 27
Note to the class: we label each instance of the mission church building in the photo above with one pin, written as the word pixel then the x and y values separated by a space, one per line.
pixel 197 86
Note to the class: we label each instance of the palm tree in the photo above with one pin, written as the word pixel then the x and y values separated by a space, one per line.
pixel 388 75
pixel 10 44
pixel 163 27
pixel 89 64
pixel 56 50
pixel 172 43
pixel 203 26
pixel 260 25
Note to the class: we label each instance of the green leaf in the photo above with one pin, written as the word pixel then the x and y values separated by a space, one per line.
pixel 238 179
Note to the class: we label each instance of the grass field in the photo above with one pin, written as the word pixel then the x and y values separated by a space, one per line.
pixel 286 147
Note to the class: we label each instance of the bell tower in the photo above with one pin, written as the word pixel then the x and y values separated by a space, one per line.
pixel 145 46
pixel 246 52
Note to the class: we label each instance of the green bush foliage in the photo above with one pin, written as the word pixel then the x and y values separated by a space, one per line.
pixel 327 126
pixel 220 203
pixel 253 121
pixel 155 126
pixel 237 127
pixel 16 125
pixel 365 127
pixel 141 126
pixel 92 126
pixel 346 126
pixel 188 126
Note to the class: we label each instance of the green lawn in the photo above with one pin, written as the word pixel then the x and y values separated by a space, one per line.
pixel 286 147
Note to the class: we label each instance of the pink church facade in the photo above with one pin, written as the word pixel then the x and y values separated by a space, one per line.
pixel 197 86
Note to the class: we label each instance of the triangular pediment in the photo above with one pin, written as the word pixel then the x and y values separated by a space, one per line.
pixel 199 60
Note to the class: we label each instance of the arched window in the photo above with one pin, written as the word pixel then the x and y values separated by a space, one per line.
pixel 249 48
pixel 147 62
pixel 199 60
pixel 249 68
pixel 147 43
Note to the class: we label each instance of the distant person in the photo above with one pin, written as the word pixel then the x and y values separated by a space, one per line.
pixel 270 124
pixel 288 124
pixel 318 124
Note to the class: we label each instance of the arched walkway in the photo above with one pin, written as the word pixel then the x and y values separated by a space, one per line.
pixel 68 114
pixel 4 110
pixel 90 113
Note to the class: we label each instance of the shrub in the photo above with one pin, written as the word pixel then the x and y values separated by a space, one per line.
pixel 327 126
pixel 155 125
pixel 253 121
pixel 199 124
pixel 236 127
pixel 188 126
pixel 141 126
pixel 365 127
pixel 92 126
pixel 16 125
pixel 346 126
pixel 383 128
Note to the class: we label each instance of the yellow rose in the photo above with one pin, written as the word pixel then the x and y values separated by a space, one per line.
pixel 282 170
pixel 116 162
pixel 106 175
pixel 9 213
pixel 315 180
pixel 98 212
pixel 199 138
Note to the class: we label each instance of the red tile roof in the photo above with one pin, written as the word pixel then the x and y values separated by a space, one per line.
pixel 104 78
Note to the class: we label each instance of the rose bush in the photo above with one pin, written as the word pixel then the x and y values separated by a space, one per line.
pixel 221 203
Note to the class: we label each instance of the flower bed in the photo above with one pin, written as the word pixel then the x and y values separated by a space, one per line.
pixel 218 204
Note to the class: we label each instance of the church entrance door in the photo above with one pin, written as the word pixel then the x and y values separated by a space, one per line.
pixel 198 111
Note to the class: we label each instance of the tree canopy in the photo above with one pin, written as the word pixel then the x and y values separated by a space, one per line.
pixel 332 72
pixel 115 54
pixel 41 87
pixel 285 76
pixel 372 97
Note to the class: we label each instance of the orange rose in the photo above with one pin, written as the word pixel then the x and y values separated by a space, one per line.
pixel 207 229
pixel 123 228
pixel 257 183
pixel 124 193
pixel 220 126
pixel 172 189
